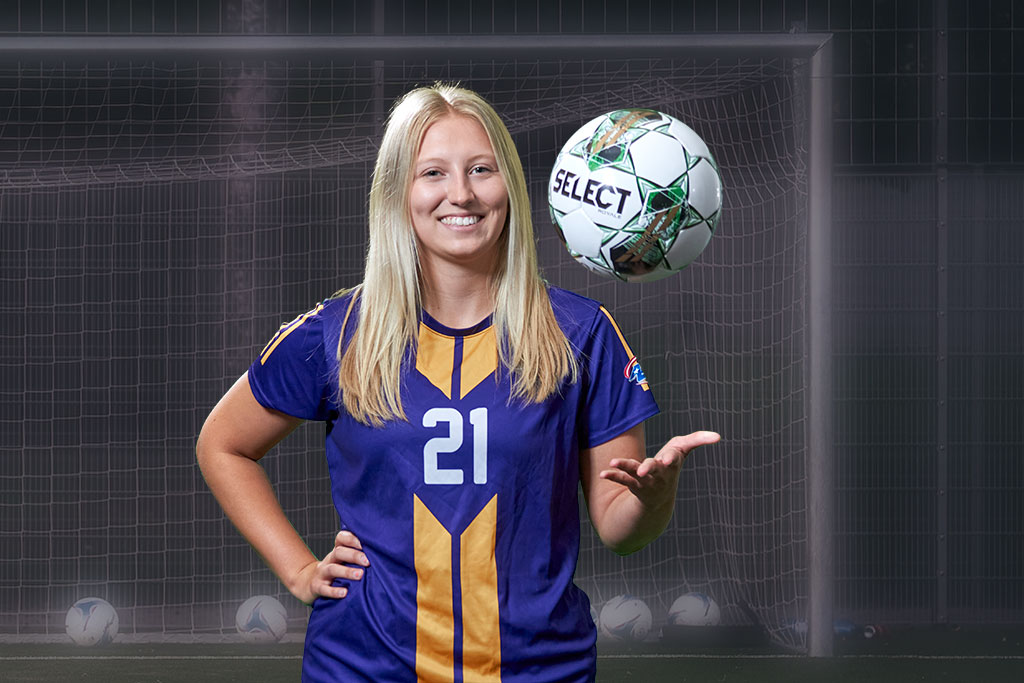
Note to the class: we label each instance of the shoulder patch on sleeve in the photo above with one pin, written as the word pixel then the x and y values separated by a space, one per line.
pixel 634 373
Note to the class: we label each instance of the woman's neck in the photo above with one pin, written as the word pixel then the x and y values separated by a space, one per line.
pixel 457 297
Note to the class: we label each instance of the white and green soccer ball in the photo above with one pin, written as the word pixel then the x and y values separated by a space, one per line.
pixel 635 195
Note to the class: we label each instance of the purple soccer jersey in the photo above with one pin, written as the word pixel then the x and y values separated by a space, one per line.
pixel 468 511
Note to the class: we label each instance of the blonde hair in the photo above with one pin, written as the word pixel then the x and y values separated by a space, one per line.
pixel 531 344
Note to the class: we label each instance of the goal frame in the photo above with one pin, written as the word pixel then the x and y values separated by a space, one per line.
pixel 815 48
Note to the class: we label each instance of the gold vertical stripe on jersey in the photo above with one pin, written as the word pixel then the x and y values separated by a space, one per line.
pixel 435 618
pixel 435 358
pixel 479 359
pixel 285 330
pixel 481 637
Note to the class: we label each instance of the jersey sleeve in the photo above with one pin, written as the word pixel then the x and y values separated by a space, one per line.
pixel 617 396
pixel 290 375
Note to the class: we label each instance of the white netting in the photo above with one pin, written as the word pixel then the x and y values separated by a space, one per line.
pixel 159 220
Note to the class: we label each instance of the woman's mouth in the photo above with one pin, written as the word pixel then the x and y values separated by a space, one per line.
pixel 460 220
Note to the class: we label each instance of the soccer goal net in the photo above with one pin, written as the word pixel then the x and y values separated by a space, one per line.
pixel 161 216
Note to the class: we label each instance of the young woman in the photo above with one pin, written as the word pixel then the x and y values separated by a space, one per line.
pixel 465 403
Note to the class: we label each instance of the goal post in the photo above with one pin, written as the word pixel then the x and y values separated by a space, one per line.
pixel 748 346
pixel 820 437
pixel 447 46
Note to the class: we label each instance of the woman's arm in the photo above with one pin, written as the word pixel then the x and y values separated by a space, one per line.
pixel 631 498
pixel 238 432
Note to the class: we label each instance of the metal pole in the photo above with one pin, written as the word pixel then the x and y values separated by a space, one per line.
pixel 820 445
pixel 941 609
pixel 380 46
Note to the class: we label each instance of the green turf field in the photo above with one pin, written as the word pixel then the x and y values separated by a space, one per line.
pixel 940 655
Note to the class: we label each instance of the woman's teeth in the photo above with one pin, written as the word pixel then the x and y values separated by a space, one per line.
pixel 460 220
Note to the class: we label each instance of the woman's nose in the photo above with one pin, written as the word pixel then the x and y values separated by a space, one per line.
pixel 459 190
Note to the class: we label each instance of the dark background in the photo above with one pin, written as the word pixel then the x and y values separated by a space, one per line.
pixel 928 206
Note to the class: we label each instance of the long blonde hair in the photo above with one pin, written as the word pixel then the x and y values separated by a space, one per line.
pixel 531 344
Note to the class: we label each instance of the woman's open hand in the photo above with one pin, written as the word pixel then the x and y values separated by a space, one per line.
pixel 654 480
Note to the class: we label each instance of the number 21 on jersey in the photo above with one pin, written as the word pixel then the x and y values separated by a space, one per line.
pixel 433 473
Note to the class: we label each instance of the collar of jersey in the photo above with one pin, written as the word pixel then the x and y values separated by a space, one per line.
pixel 451 331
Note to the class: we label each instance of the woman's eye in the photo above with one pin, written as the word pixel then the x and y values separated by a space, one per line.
pixel 481 169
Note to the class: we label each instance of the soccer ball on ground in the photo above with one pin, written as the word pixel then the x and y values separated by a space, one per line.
pixel 635 194
pixel 261 619
pixel 91 621
pixel 626 617
pixel 694 609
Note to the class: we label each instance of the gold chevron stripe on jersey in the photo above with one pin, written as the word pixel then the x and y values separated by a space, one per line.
pixel 481 636
pixel 479 359
pixel 435 360
pixel 435 620
pixel 285 330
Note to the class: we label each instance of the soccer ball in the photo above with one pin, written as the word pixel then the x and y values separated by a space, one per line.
pixel 694 609
pixel 635 194
pixel 626 617
pixel 91 621
pixel 261 619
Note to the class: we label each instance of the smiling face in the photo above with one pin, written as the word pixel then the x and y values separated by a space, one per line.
pixel 458 200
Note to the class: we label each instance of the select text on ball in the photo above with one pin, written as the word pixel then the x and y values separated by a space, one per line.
pixel 566 184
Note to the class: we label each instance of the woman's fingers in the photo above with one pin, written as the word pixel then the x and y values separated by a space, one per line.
pixel 326 590
pixel 346 537
pixel 342 571
pixel 338 564
pixel 633 473
pixel 348 554
pixel 620 477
